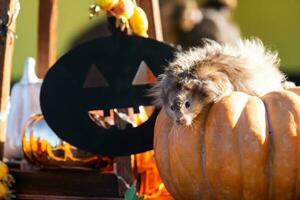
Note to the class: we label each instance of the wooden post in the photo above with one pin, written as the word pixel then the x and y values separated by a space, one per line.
pixel 48 12
pixel 8 12
pixel 151 7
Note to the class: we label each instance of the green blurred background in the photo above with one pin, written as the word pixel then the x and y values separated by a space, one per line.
pixel 275 22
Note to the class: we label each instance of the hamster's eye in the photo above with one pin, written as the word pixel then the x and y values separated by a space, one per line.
pixel 172 107
pixel 187 104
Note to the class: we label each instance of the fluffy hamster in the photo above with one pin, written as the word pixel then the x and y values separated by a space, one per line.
pixel 201 76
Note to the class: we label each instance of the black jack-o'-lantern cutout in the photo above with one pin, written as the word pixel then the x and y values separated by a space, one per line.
pixel 100 75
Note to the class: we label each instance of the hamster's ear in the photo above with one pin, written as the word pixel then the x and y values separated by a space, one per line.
pixel 217 85
pixel 160 89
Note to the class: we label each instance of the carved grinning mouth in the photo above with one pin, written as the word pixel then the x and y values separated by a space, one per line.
pixel 121 118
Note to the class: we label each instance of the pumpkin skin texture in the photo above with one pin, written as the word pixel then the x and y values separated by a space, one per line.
pixel 242 147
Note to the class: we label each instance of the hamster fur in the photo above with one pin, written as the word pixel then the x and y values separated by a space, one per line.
pixel 201 76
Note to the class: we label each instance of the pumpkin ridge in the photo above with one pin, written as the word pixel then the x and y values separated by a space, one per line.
pixel 252 145
pixel 235 132
pixel 158 157
pixel 284 170
pixel 203 122
pixel 181 164
pixel 293 109
pixel 225 114
pixel 296 91
pixel 171 154
pixel 270 157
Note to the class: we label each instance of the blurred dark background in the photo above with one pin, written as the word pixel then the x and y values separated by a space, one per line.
pixel 275 22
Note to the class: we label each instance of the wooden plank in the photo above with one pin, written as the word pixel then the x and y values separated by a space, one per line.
pixel 151 7
pixel 51 197
pixel 6 54
pixel 55 197
pixel 124 170
pixel 65 183
pixel 47 26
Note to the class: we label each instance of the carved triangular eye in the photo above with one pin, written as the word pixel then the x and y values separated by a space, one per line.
pixel 94 78
pixel 144 75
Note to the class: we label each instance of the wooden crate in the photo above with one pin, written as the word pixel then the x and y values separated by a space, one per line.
pixel 65 184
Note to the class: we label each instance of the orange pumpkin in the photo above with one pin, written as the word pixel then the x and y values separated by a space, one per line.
pixel 243 147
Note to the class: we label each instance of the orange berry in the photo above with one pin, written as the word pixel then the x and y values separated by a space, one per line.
pixel 3 170
pixel 3 191
pixel 139 22
pixel 124 8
